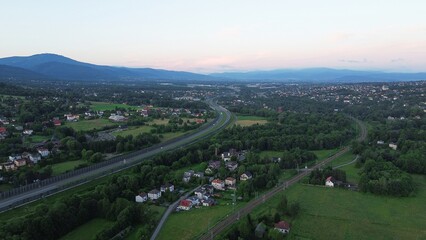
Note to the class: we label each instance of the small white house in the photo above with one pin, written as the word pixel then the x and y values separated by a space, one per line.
pixel 282 227
pixel 218 184
pixel 393 146
pixel 246 176
pixel 329 182
pixel 142 197
pixel 35 157
pixel 170 187
pixel 44 152
pixel 154 194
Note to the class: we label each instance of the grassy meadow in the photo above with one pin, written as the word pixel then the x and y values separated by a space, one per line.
pixel 88 230
pixel 59 168
pixel 245 120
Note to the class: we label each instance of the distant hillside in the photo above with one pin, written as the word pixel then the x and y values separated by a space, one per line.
pixel 15 73
pixel 320 75
pixel 52 66
pixel 63 68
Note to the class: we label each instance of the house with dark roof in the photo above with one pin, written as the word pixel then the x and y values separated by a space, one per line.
pixel 246 176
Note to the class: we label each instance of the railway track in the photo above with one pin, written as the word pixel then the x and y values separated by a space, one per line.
pixel 234 217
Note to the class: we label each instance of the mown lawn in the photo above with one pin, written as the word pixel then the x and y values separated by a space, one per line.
pixel 59 168
pixel 328 213
pixel 104 106
pixel 86 125
pixel 88 230
pixel 36 138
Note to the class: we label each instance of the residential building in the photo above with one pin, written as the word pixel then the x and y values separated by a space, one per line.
pixel 142 197
pixel 282 226
pixel 154 194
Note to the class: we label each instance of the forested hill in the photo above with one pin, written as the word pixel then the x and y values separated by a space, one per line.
pixel 63 68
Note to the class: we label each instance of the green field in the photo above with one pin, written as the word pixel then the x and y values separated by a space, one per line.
pixel 245 120
pixel 88 230
pixel 86 125
pixel 328 213
pixel 59 168
pixel 177 225
pixel 36 138
pixel 104 106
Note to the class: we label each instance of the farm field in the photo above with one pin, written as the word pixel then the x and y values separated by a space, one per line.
pixel 86 125
pixel 59 168
pixel 104 106
pixel 328 213
pixel 88 230
pixel 245 120
pixel 177 223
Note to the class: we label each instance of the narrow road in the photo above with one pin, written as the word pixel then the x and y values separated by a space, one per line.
pixel 35 191
pixel 234 217
pixel 346 164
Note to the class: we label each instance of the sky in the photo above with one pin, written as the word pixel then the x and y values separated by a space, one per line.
pixel 221 35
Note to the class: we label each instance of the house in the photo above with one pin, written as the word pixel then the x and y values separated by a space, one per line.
pixel 185 205
pixel 214 165
pixel 393 146
pixel 208 188
pixel 218 184
pixel 380 142
pixel 208 202
pixel 8 166
pixel 28 132
pixel 72 117
pixel 230 181
pixel 275 159
pixel 142 197
pixel 117 118
pixel 57 122
pixel 282 226
pixel 194 200
pixel 226 156
pixel 246 176
pixel 209 171
pixel 35 157
pixel 20 162
pixel 199 174
pixel 187 175
pixel 329 182
pixel 154 194
pixel 44 152
pixel 3 130
pixel 231 166
pixel 14 157
pixel 200 193
pixel 168 187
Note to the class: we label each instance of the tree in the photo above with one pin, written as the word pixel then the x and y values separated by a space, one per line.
pixel 282 205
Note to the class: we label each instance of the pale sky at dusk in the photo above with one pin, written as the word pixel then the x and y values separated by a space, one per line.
pixel 216 36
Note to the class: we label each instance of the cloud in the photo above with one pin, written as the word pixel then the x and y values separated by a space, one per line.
pixel 353 60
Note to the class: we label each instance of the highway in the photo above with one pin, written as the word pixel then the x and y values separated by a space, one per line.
pixel 36 191
pixel 234 217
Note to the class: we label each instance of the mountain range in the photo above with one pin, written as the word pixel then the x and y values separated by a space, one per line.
pixel 57 67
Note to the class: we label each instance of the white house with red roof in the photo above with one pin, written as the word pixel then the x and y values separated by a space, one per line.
pixel 218 184
pixel 282 227
pixel 329 182
pixel 185 205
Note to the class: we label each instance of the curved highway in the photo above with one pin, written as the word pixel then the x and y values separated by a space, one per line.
pixel 66 181
pixel 234 217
